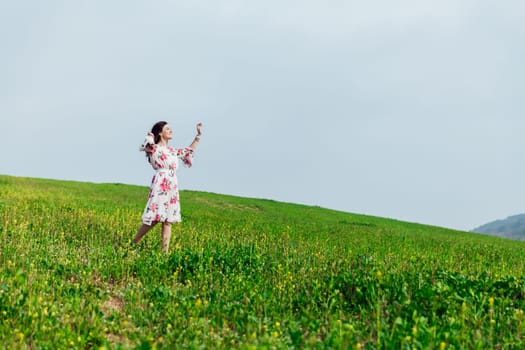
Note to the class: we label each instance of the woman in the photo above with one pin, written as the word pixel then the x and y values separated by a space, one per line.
pixel 163 200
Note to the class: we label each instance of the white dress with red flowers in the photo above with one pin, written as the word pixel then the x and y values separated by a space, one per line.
pixel 163 199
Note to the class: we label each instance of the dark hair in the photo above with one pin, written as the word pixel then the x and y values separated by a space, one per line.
pixel 157 129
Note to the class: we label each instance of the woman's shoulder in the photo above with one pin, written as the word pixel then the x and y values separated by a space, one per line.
pixel 153 148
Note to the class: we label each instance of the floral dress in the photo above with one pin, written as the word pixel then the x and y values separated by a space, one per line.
pixel 163 199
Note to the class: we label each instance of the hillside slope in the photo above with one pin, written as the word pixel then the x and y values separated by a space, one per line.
pixel 512 227
pixel 244 273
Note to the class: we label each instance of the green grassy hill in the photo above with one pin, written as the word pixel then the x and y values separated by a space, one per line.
pixel 244 273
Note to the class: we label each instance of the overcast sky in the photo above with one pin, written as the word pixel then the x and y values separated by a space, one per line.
pixel 408 109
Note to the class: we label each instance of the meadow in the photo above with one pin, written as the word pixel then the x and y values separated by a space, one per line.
pixel 244 273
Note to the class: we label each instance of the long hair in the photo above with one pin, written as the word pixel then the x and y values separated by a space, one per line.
pixel 157 129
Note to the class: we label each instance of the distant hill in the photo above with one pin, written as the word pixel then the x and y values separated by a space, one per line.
pixel 512 227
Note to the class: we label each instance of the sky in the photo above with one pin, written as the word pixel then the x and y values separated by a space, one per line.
pixel 408 109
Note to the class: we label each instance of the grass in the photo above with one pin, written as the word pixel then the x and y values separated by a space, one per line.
pixel 244 273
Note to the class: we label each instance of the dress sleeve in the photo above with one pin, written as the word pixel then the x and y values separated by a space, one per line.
pixel 147 145
pixel 186 155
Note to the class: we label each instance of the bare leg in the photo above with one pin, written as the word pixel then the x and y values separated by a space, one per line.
pixel 166 236
pixel 143 229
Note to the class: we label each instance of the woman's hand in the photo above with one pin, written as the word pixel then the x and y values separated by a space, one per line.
pixel 148 142
pixel 199 127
